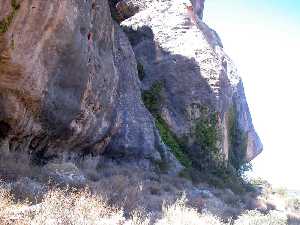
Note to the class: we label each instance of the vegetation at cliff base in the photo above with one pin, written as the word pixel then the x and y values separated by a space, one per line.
pixel 78 207
pixel 202 159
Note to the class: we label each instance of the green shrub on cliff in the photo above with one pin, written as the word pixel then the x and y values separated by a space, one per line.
pixel 207 134
pixel 152 98
pixel 170 139
pixel 204 153
pixel 237 144
pixel 6 21
pixel 203 159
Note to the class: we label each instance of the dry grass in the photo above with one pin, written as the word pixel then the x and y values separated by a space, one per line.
pixel 5 203
pixel 61 207
pixel 257 218
pixel 9 209
pixel 70 206
pixel 179 214
pixel 116 193
pixel 64 207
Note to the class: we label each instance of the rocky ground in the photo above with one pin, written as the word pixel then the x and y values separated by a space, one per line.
pixel 105 191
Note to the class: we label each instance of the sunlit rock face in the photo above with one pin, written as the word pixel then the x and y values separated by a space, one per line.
pixel 198 7
pixel 178 49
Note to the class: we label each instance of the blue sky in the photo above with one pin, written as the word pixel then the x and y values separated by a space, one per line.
pixel 263 38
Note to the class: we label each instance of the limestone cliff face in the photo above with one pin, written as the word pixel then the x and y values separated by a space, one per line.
pixel 175 47
pixel 69 78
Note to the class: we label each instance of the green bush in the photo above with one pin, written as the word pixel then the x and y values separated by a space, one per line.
pixel 203 159
pixel 170 139
pixel 206 157
pixel 204 153
pixel 6 21
pixel 237 144
pixel 206 133
pixel 152 98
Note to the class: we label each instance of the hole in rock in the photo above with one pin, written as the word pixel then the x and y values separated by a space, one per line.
pixel 90 36
pixel 4 129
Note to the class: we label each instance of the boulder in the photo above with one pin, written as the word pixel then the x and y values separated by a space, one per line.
pixel 64 173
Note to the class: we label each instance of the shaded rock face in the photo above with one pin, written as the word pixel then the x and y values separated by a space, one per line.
pixel 69 79
pixel 70 82
pixel 198 7
pixel 176 48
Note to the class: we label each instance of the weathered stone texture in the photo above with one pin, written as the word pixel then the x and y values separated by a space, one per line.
pixel 69 79
pixel 175 47
pixel 76 83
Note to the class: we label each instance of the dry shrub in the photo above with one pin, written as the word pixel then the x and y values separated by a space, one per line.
pixel 62 207
pixel 132 188
pixel 120 194
pixel 70 206
pixel 6 202
pixel 179 214
pixel 256 218
pixel 119 191
pixel 138 218
pixel 294 204
pixel 10 211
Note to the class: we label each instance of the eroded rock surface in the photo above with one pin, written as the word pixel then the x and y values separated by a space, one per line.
pixel 69 78
pixel 176 48
pixel 69 82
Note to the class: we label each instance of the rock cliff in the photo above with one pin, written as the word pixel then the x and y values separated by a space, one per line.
pixel 177 48
pixel 70 80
